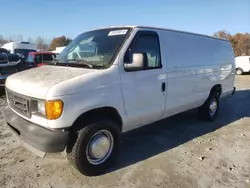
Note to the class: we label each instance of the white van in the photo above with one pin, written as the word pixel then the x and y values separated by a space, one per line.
pixel 20 48
pixel 108 81
pixel 242 64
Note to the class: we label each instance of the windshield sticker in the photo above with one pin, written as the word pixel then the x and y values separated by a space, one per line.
pixel 118 32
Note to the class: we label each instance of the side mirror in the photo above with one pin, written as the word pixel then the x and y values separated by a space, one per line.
pixel 138 62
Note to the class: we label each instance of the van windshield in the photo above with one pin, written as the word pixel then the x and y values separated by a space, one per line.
pixel 94 48
pixel 24 52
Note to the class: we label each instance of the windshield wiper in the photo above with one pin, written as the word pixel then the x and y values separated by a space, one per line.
pixel 77 63
pixel 80 62
pixel 72 63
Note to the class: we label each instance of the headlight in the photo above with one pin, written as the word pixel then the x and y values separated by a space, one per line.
pixel 53 109
pixel 50 109
pixel 41 107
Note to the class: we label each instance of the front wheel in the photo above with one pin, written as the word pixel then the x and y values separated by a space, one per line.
pixel 95 147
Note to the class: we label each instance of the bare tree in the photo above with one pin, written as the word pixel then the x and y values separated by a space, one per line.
pixel 30 40
pixel 2 40
pixel 223 35
pixel 19 38
pixel 41 43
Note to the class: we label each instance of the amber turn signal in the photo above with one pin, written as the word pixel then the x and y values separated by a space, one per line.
pixel 53 109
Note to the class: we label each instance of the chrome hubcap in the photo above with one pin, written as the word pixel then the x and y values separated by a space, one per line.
pixel 100 147
pixel 213 106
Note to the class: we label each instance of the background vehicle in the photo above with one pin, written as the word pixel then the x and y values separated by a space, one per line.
pixel 112 80
pixel 242 64
pixel 20 48
pixel 9 64
pixel 58 50
pixel 35 59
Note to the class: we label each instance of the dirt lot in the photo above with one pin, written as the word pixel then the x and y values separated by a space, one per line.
pixel 180 151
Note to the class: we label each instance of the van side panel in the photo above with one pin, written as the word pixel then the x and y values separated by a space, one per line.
pixel 194 65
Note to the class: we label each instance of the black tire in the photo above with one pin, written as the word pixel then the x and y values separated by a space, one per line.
pixel 204 110
pixel 239 71
pixel 76 149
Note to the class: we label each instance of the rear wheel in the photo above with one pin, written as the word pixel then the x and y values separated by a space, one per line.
pixel 209 110
pixel 94 148
pixel 239 71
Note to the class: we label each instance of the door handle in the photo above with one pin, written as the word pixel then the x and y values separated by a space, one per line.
pixel 163 87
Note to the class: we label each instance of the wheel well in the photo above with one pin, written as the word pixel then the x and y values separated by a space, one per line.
pixel 217 88
pixel 107 112
pixel 239 68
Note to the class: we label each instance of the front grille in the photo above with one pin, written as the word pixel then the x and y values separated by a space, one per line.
pixel 19 103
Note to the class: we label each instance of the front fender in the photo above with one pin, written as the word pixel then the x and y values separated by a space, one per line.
pixel 77 104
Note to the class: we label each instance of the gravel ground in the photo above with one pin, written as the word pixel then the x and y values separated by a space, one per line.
pixel 178 152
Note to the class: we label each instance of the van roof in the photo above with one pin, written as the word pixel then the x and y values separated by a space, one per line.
pixel 19 43
pixel 159 28
pixel 243 56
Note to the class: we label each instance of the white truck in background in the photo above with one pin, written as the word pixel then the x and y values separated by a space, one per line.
pixel 242 64
pixel 59 49
pixel 22 48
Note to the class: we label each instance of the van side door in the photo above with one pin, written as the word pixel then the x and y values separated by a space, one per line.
pixel 144 91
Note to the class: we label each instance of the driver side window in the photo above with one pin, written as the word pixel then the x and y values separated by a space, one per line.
pixel 148 43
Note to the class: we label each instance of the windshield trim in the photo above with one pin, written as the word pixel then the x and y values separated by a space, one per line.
pixel 130 30
pixel 118 49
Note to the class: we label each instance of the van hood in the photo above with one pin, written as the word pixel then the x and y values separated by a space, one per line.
pixel 36 82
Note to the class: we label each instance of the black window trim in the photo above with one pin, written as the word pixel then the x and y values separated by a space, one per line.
pixel 145 33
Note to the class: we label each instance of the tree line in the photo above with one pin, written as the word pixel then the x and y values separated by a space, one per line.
pixel 41 42
pixel 240 41
pixel 56 42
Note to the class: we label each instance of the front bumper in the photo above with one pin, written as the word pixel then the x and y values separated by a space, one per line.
pixel 45 140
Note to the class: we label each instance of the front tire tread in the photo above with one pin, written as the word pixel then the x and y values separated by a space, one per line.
pixel 76 149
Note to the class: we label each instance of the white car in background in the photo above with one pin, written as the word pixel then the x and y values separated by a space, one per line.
pixel 242 64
